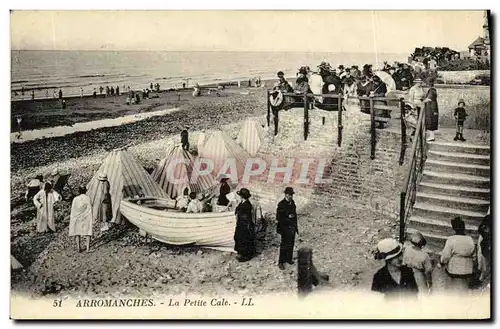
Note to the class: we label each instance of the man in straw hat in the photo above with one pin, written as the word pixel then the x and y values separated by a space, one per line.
pixel 394 279
pixel 286 216
pixel 244 235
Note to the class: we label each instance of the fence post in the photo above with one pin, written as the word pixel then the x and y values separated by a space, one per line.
pixel 402 215
pixel 304 271
pixel 403 132
pixel 339 125
pixel 306 117
pixel 268 109
pixel 372 128
pixel 423 151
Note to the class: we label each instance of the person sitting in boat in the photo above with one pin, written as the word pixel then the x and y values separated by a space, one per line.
pixel 182 201
pixel 194 204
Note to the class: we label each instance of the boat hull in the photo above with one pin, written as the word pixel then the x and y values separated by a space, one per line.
pixel 210 230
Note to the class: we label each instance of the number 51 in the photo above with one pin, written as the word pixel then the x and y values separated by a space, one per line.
pixel 57 303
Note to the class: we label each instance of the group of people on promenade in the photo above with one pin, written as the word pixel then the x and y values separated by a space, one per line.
pixel 351 82
pixel 408 269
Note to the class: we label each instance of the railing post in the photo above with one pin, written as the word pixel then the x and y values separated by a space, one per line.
pixel 403 132
pixel 423 151
pixel 304 271
pixel 306 117
pixel 339 125
pixel 268 108
pixel 402 217
pixel 372 128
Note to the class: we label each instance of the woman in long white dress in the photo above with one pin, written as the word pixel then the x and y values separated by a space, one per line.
pixel 80 221
pixel 44 202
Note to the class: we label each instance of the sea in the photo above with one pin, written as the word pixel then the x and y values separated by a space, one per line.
pixel 45 72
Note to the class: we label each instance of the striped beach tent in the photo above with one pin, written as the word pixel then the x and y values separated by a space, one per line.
pixel 223 150
pixel 14 263
pixel 251 136
pixel 178 171
pixel 126 177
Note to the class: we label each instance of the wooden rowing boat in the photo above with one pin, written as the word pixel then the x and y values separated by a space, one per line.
pixel 155 216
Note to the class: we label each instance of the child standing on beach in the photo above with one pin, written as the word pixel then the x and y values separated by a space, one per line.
pixel 460 115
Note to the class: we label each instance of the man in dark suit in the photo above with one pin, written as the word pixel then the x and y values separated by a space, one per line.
pixel 286 215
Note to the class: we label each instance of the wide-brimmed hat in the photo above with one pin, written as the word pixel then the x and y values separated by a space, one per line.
pixel 289 190
pixel 244 193
pixel 280 73
pixel 461 101
pixel 102 176
pixel 388 249
pixel 303 70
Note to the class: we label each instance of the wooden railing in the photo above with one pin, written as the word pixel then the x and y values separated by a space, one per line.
pixel 373 118
pixel 415 167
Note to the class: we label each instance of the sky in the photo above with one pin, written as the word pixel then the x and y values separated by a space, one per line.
pixel 306 31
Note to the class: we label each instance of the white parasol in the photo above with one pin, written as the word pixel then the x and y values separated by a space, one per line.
pixel 387 79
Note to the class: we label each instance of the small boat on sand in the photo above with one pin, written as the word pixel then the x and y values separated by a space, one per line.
pixel 159 219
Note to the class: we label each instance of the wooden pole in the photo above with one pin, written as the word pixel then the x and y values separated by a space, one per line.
pixel 372 129
pixel 304 271
pixel 403 132
pixel 306 117
pixel 402 215
pixel 339 124
pixel 268 108
pixel 276 120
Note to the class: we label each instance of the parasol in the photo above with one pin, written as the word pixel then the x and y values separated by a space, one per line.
pixel 387 79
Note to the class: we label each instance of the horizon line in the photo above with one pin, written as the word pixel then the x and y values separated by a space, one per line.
pixel 198 50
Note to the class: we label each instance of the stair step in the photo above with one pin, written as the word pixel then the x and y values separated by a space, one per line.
pixel 458 179
pixel 454 201
pixel 459 157
pixel 437 226
pixel 466 168
pixel 446 213
pixel 462 147
pixel 456 190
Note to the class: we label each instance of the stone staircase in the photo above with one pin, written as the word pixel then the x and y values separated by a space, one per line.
pixel 455 182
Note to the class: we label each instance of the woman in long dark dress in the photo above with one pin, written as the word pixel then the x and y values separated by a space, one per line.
pixel 394 280
pixel 244 235
pixel 431 109
pixel 224 190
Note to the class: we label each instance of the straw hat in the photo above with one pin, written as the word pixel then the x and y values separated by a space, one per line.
pixel 102 176
pixel 388 249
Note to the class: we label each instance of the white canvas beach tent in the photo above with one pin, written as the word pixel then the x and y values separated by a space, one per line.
pixel 178 170
pixel 223 150
pixel 251 136
pixel 127 179
pixel 14 263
